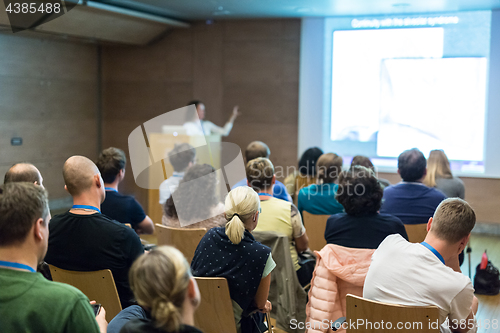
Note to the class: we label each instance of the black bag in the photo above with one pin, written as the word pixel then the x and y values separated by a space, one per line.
pixel 486 281
pixel 253 323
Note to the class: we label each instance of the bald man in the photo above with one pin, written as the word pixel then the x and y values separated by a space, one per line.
pixel 259 149
pixel 83 239
pixel 23 172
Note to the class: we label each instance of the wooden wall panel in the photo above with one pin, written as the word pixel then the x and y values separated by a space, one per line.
pixel 169 59
pixel 250 63
pixel 44 58
pixel 48 96
pixel 207 81
pixel 262 62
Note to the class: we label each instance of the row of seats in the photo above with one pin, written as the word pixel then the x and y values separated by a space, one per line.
pixel 215 313
pixel 316 224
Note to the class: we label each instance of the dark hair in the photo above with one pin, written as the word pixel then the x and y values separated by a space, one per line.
pixel 329 166
pixel 307 162
pixel 21 204
pixel 256 149
pixel 181 156
pixel 260 173
pixel 411 165
pixel 195 102
pixel 362 161
pixel 359 191
pixel 22 172
pixel 185 194
pixel 110 162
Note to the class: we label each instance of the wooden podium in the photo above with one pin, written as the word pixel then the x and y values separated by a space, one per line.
pixel 207 151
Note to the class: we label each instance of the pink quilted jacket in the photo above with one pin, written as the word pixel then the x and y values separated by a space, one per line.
pixel 339 271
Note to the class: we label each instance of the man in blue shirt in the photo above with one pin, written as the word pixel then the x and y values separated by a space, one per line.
pixel 117 206
pixel 410 200
pixel 259 149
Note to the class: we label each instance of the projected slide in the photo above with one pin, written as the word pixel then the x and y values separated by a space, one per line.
pixel 399 82
pixel 356 84
pixel 432 104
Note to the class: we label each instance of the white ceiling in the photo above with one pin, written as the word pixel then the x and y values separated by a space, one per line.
pixel 230 9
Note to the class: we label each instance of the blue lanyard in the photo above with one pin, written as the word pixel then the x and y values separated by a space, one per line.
pixel 16 265
pixel 433 250
pixel 265 194
pixel 110 189
pixel 86 207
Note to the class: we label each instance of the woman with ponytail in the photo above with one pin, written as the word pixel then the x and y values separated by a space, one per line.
pixel 163 286
pixel 233 253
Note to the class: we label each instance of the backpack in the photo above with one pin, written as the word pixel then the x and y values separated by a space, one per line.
pixel 486 281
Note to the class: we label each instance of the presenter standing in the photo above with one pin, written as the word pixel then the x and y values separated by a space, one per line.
pixel 207 127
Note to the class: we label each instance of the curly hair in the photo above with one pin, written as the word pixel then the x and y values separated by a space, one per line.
pixel 185 194
pixel 359 191
pixel 362 161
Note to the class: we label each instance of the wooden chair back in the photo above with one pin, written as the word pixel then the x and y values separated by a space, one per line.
pixel 98 286
pixel 393 317
pixel 184 239
pixel 416 232
pixel 315 226
pixel 215 313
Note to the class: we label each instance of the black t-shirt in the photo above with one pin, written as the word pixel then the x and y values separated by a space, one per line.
pixel 147 326
pixel 362 232
pixel 94 242
pixel 122 208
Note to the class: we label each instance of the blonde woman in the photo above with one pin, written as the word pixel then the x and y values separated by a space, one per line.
pixel 164 287
pixel 439 175
pixel 233 253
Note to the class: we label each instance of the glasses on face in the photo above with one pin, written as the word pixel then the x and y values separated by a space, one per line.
pixel 260 210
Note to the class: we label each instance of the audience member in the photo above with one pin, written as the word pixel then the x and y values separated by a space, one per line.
pixel 119 207
pixel 28 301
pixel 23 172
pixel 201 207
pixel 27 172
pixel 278 215
pixel 233 253
pixel 164 287
pixel 207 127
pixel 181 157
pixel 83 239
pixel 361 226
pixel 259 149
pixel 428 273
pixel 319 198
pixel 439 176
pixel 365 161
pixel 305 175
pixel 411 201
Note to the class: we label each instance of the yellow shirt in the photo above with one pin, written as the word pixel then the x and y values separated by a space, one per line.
pixel 276 216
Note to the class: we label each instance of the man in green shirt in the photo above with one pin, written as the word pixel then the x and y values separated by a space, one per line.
pixel 29 302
